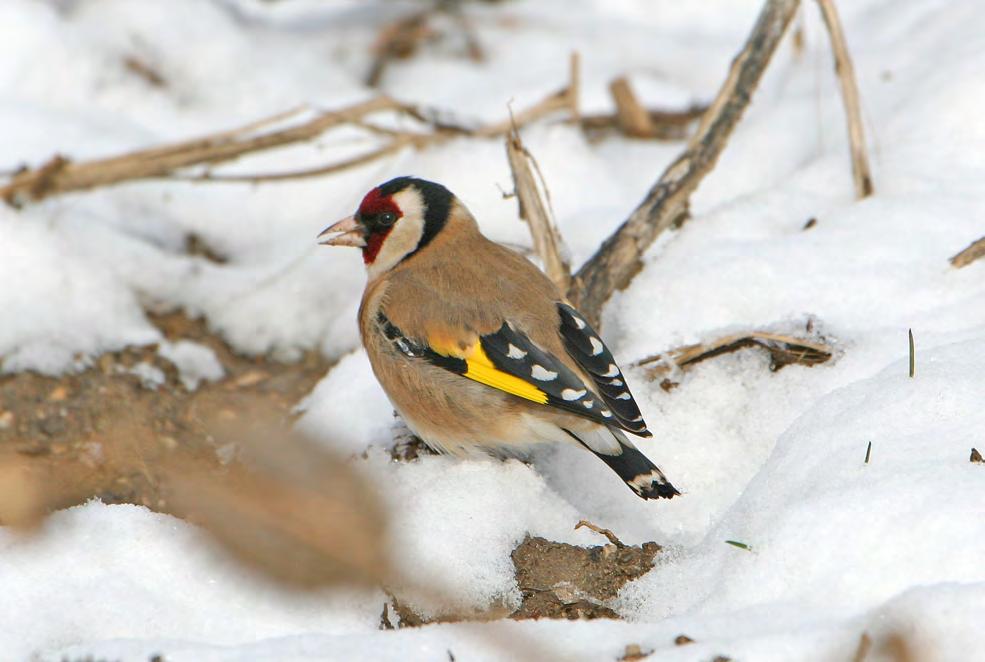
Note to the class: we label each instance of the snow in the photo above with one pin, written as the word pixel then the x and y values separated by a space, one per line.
pixel 838 547
pixel 195 362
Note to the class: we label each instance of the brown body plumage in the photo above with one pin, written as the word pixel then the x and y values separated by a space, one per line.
pixel 478 295
pixel 475 347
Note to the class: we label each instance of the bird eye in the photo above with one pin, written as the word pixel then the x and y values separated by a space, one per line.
pixel 388 218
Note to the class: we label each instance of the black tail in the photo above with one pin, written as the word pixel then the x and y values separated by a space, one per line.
pixel 637 471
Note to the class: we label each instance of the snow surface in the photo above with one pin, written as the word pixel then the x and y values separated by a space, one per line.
pixel 774 460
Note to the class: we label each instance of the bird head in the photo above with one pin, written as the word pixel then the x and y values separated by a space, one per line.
pixel 394 221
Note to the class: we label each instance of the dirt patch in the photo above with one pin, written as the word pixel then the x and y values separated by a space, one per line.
pixel 101 433
pixel 558 580
pixel 114 429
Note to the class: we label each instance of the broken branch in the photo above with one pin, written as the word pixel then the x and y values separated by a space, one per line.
pixel 620 257
pixel 784 350
pixel 535 210
pixel 631 116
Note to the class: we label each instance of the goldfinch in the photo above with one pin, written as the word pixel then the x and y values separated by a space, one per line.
pixel 475 347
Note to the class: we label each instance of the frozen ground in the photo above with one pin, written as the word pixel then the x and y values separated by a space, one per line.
pixel 774 460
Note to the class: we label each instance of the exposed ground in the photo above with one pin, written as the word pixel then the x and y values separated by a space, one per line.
pixel 108 433
pixel 99 433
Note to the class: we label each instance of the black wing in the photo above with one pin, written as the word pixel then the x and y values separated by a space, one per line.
pixel 514 353
pixel 509 353
pixel 589 352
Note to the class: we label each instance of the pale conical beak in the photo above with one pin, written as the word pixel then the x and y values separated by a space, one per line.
pixel 347 232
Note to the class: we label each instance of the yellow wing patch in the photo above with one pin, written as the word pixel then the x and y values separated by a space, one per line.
pixel 482 370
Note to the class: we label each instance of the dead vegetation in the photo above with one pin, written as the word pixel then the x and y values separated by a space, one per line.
pixel 160 447
pixel 106 421
pixel 974 251
pixel 558 580
pixel 783 349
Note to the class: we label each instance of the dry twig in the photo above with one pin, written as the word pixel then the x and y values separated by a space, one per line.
pixel 664 124
pixel 632 117
pixel 620 257
pixel 61 175
pixel 849 94
pixel 784 350
pixel 598 529
pixel 974 251
pixel 535 210
pixel 565 99
pixel 402 38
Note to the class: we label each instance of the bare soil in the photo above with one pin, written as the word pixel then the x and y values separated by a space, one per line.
pixel 100 433
pixel 105 433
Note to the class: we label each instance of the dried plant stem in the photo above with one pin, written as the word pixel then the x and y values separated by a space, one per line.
pixel 620 257
pixel 783 350
pixel 974 251
pixel 849 94
pixel 630 113
pixel 598 529
pixel 534 208
pixel 60 175
pixel 565 99
pixel 393 146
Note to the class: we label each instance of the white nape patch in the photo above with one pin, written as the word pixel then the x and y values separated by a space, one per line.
pixel 405 235
pixel 624 396
pixel 515 352
pixel 612 371
pixel 597 346
pixel 570 394
pixel 542 374
pixel 588 404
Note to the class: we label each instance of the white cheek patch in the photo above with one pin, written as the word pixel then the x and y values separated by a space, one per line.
pixel 401 241
pixel 405 235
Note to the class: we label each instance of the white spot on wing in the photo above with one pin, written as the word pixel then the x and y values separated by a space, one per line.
pixel 612 371
pixel 570 394
pixel 579 322
pixel 606 413
pixel 624 396
pixel 540 373
pixel 515 352
pixel 615 382
pixel 597 346
pixel 644 481
pixel 588 404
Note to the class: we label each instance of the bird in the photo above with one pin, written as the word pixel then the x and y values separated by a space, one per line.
pixel 477 350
